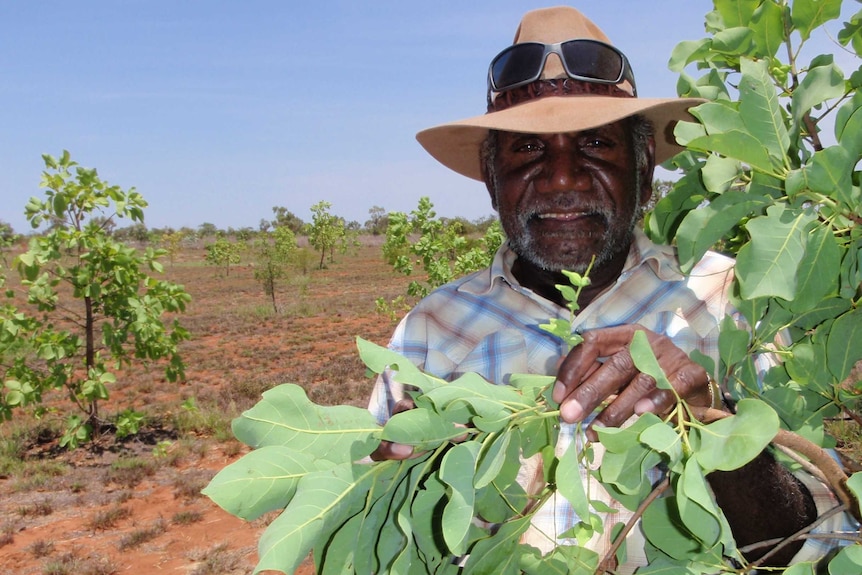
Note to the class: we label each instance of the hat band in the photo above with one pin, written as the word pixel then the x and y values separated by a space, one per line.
pixel 553 87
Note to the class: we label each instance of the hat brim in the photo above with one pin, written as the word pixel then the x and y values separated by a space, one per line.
pixel 456 144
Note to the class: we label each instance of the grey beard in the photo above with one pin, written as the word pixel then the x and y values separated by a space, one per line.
pixel 525 248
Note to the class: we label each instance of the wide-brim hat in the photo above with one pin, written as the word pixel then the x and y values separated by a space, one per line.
pixel 456 144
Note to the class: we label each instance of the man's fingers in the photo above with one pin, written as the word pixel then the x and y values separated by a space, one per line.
pixel 602 366
pixel 388 450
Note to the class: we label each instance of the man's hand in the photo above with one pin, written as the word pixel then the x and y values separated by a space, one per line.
pixel 602 367
pixel 387 449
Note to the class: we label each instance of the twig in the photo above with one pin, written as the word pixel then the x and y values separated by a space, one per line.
pixel 607 560
pixel 791 538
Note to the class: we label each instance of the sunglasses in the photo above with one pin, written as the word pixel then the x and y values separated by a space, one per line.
pixel 583 59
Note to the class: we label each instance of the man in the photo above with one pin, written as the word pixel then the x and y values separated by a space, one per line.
pixel 567 151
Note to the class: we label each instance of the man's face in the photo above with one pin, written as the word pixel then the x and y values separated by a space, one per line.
pixel 563 198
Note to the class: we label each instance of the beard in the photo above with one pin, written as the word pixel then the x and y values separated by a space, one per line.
pixel 603 232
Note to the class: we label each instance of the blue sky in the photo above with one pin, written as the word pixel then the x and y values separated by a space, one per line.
pixel 218 111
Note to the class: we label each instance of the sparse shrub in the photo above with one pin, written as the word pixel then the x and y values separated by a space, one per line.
pixel 71 564
pixel 131 471
pixel 220 559
pixel 41 548
pixel 108 519
pixel 187 517
pixel 188 485
pixel 7 535
pixel 38 509
pixel 140 536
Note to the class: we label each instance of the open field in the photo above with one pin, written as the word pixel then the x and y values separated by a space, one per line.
pixel 134 506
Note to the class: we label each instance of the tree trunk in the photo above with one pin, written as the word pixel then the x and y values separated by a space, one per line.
pixel 90 359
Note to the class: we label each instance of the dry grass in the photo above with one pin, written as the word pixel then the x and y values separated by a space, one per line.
pixel 73 564
pixel 218 560
pixel 129 472
pixel 142 535
pixel 109 518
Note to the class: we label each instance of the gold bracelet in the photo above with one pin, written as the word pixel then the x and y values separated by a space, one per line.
pixel 715 401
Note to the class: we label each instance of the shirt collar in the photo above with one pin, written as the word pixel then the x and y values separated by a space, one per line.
pixel 661 259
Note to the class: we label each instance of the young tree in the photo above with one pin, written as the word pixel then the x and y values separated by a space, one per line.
pixel 325 230
pixel 442 250
pixel 272 258
pixel 94 303
pixel 223 253
pixel 172 243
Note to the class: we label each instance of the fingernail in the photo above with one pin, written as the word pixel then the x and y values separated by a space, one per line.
pixel 644 405
pixel 559 391
pixel 572 412
pixel 401 451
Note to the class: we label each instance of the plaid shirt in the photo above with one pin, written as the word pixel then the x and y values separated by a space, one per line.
pixel 488 323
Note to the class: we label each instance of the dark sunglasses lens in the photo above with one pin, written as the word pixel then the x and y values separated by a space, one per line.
pixel 591 60
pixel 520 63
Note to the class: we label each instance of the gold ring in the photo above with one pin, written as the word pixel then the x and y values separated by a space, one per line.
pixel 715 400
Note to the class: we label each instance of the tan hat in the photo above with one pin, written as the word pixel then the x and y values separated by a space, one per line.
pixel 568 106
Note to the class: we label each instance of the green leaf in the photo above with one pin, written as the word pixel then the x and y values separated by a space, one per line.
pixel 685 52
pixel 662 438
pixel 848 560
pixel 766 266
pixel 816 278
pixel 732 40
pixel 496 555
pixel 733 342
pixel 261 481
pixel 718 117
pixel 821 311
pixel 645 360
pixel 848 126
pixel 421 428
pixel 59 205
pixel 285 416
pixel 386 526
pixel 425 511
pixel 854 484
pixel 767 24
pixel 497 503
pixel 807 15
pixel 736 144
pixel 457 470
pixel 807 363
pixel 821 83
pixel 735 12
pixel 491 404
pixel 378 358
pixel 761 110
pixel 720 173
pixel 570 483
pixel 703 227
pixel 697 512
pixel 328 499
pixel 663 528
pixel 802 568
pixel 492 458
pixel 732 442
pixel 842 349
pixel 801 410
